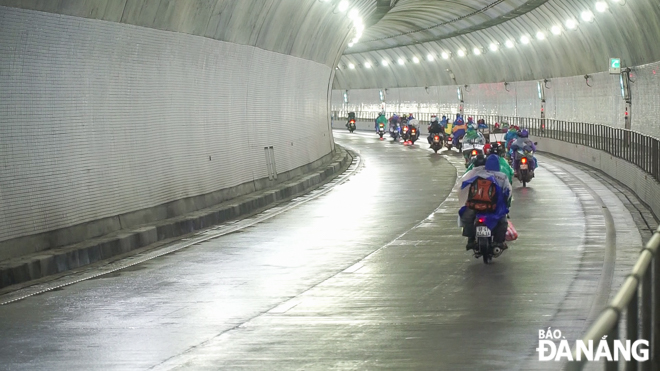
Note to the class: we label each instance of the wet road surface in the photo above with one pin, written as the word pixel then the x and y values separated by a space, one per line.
pixel 371 275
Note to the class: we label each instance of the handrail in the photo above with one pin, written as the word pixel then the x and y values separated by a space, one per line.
pixel 627 301
pixel 632 146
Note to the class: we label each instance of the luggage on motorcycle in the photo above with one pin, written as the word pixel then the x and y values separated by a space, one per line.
pixel 482 195
pixel 511 233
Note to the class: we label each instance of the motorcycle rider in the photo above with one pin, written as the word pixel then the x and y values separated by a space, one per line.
pixel 351 116
pixel 380 119
pixel 490 171
pixel 458 130
pixel 435 128
pixel 523 142
pixel 394 122
pixel 472 136
pixel 444 123
pixel 497 129
pixel 497 149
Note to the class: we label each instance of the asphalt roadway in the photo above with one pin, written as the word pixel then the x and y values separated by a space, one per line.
pixel 369 274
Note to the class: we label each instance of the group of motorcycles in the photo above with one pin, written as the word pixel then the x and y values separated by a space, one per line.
pixel 408 131
pixel 495 143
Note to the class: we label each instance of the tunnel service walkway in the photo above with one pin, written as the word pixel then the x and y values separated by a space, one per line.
pixel 371 275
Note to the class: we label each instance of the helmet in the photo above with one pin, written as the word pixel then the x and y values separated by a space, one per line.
pixel 444 117
pixel 497 125
pixel 470 119
pixel 434 118
pixel 487 148
pixel 480 160
pixel 524 133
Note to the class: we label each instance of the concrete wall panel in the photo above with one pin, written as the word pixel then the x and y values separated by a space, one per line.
pixel 646 188
pixel 101 118
pixel 567 98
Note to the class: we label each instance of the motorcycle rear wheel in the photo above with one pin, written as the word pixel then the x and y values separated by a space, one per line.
pixel 483 248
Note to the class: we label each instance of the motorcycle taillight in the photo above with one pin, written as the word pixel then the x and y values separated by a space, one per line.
pixel 524 160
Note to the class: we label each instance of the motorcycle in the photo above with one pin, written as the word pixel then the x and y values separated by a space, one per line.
pixel 485 240
pixel 351 125
pixel 381 130
pixel 450 141
pixel 405 133
pixel 394 132
pixel 414 135
pixel 525 162
pixel 470 151
pixel 437 142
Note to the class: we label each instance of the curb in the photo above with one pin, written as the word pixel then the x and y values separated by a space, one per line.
pixel 50 262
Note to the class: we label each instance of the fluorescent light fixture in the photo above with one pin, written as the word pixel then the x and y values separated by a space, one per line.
pixel 476 51
pixel 343 6
pixel 415 59
pixel 350 45
pixel 540 35
pixel 445 55
pixel 461 53
pixel 601 6
pixel 524 39
pixel 493 47
pixel 587 16
pixel 509 44
pixel 401 62
pixel 384 63
pixel 429 58
pixel 367 65
pixel 351 66
pixel 556 30
pixel 353 13
pixel 571 24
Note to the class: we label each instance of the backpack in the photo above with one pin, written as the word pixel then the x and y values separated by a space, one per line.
pixel 482 195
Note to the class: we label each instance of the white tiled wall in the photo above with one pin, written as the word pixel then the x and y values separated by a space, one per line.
pixel 569 99
pixel 101 118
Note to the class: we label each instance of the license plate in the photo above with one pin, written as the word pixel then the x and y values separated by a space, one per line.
pixel 523 166
pixel 483 231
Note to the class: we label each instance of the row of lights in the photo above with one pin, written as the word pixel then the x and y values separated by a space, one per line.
pixel 353 15
pixel 571 24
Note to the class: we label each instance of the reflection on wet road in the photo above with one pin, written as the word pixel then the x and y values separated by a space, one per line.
pixel 371 275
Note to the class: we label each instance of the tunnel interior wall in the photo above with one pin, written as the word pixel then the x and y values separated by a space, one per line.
pixel 101 118
pixel 640 182
pixel 567 98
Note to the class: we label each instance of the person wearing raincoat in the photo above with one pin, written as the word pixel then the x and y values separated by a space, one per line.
pixel 380 120
pixel 504 165
pixel 498 222
pixel 472 136
pixel 524 143
pixel 458 130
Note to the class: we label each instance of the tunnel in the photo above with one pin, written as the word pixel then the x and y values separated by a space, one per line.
pixel 222 185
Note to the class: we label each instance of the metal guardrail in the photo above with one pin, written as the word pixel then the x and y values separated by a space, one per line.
pixel 639 296
pixel 638 299
pixel 634 147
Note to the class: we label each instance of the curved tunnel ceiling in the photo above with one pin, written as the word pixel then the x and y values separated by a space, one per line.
pixel 628 31
pixel 309 29
pixel 414 21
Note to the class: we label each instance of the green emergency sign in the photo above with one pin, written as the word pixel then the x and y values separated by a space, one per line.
pixel 615 65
